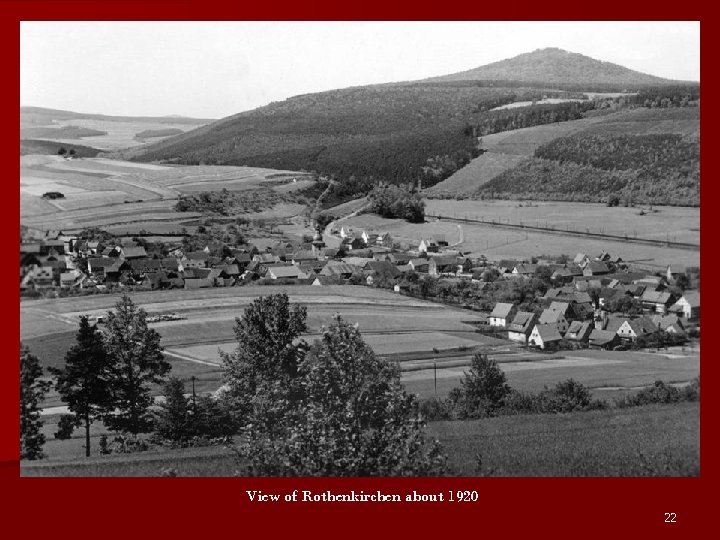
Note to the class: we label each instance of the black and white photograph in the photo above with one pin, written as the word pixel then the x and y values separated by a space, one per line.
pixel 360 249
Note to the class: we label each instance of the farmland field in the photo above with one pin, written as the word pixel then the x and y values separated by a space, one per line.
pixel 674 223
pixel 399 327
pixel 102 192
pixel 498 243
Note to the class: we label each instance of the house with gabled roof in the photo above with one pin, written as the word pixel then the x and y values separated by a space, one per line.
pixel 521 326
pixel 554 317
pixel 632 329
pixel 596 268
pixel 443 265
pixel 133 252
pixel 579 330
pixel 501 314
pixel 340 269
pixel 524 270
pixel 688 305
pixel 656 301
pixel 544 336
pixel 420 265
pixel 603 339
pixel 428 245
pixel 581 260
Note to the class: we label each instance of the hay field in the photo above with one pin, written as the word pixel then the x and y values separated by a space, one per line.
pixel 101 192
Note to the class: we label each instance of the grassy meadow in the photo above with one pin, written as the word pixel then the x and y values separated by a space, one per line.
pixel 654 440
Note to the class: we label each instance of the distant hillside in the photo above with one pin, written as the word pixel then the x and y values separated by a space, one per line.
pixel 64 132
pixel 44 116
pixel 557 66
pixel 107 132
pixel 408 132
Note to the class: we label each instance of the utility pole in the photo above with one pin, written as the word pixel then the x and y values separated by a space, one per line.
pixel 193 396
pixel 435 373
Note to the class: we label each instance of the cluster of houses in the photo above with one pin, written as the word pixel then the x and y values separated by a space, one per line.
pixel 65 262
pixel 571 314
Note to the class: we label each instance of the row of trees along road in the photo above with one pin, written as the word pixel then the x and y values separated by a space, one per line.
pixel 107 376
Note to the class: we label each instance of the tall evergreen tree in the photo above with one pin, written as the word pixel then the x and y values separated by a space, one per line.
pixel 137 362
pixel 32 392
pixel 84 382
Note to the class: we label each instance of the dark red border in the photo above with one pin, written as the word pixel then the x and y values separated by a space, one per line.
pixel 209 507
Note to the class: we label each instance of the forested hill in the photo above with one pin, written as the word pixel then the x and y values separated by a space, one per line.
pixel 395 133
pixel 557 66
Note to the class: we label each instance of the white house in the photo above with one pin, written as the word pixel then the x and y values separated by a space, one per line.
pixel 501 315
pixel 688 305
pixel 544 335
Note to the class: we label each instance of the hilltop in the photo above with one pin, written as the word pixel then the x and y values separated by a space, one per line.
pixel 557 66
pixel 415 131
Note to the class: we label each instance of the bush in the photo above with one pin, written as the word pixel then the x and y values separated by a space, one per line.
pixel 662 393
pixel 66 426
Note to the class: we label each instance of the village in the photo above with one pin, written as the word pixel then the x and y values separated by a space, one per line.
pixel 587 301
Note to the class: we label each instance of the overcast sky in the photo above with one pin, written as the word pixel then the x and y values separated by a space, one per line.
pixel 215 69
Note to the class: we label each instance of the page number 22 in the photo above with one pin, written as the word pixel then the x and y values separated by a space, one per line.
pixel 670 517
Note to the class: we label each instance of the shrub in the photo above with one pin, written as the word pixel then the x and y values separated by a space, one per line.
pixel 66 426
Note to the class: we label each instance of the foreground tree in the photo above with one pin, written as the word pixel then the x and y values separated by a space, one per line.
pixel 137 362
pixel 354 419
pixel 261 374
pixel 483 389
pixel 84 382
pixel 32 392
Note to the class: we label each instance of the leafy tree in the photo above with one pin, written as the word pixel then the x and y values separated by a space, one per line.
pixel 355 419
pixel 261 373
pixel 137 361
pixel 62 151
pixel 84 382
pixel 484 388
pixel 32 392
